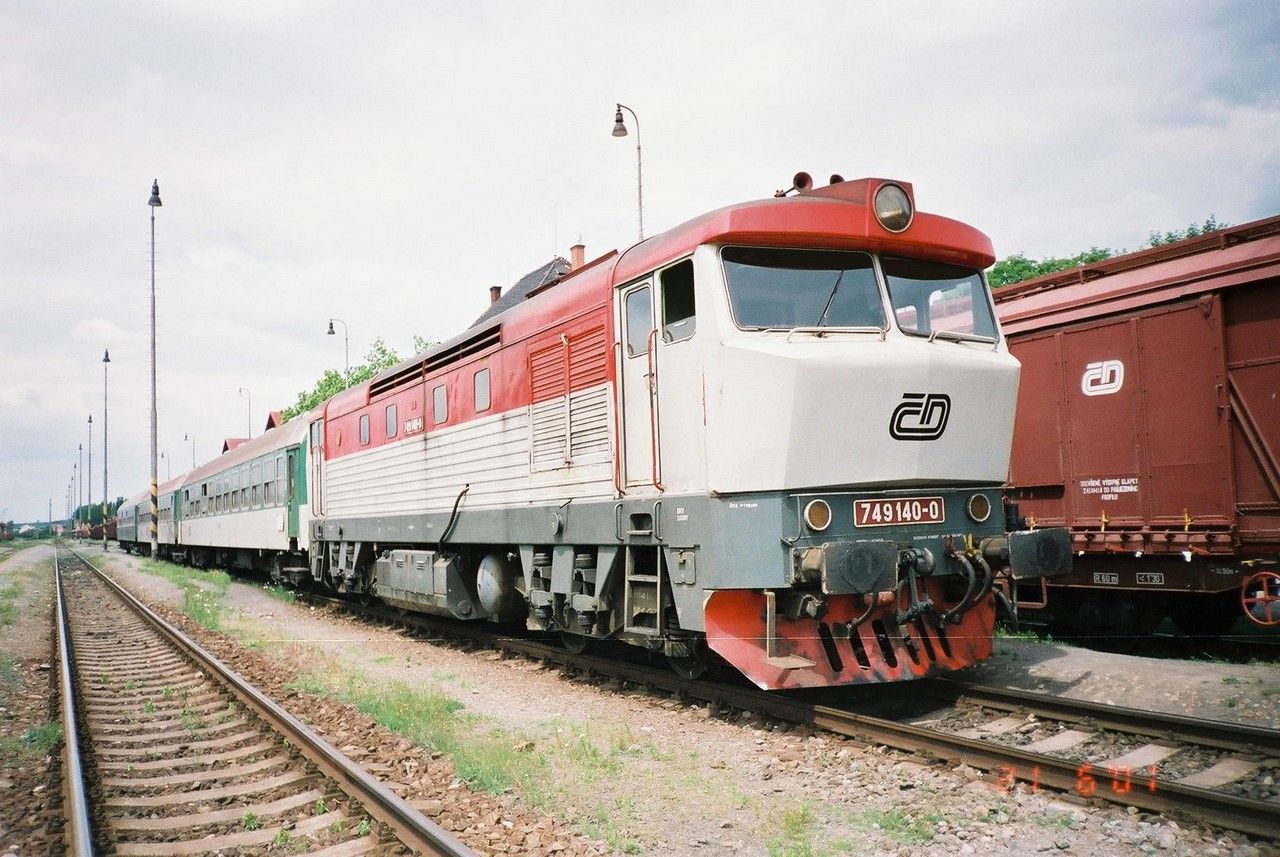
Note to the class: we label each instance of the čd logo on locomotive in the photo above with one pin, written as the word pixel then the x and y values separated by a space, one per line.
pixel 920 416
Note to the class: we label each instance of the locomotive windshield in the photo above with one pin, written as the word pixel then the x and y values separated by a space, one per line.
pixel 931 297
pixel 772 288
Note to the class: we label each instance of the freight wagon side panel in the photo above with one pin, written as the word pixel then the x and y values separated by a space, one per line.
pixel 1253 365
pixel 1185 483
pixel 1120 428
pixel 1103 424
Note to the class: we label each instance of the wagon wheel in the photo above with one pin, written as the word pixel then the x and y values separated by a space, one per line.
pixel 574 644
pixel 1260 598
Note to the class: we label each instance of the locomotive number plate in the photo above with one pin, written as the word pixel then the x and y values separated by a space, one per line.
pixel 898 510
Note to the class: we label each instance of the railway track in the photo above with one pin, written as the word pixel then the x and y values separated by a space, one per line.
pixel 169 753
pixel 1210 771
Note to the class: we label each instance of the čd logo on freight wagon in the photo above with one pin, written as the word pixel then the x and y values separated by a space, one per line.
pixel 1102 378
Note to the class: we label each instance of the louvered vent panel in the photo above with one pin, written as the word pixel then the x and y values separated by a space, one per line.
pixel 546 372
pixel 589 439
pixel 588 359
pixel 547 429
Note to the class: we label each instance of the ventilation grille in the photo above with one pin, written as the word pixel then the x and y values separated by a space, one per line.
pixel 437 359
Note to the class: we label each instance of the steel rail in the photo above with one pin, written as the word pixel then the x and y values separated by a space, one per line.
pixel 1220 734
pixel 79 826
pixel 412 827
pixel 1010 764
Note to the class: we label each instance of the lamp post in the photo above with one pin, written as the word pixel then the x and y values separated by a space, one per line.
pixel 88 489
pixel 106 363
pixel 620 130
pixel 346 350
pixel 249 396
pixel 154 203
pixel 77 472
pixel 191 438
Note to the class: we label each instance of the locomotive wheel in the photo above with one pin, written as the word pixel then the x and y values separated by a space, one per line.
pixel 694 666
pixel 574 644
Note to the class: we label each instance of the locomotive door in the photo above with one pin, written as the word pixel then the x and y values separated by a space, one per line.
pixel 638 415
pixel 316 454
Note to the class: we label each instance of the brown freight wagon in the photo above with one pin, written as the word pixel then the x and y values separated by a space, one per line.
pixel 1148 424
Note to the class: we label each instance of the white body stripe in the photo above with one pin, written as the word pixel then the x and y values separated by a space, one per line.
pixel 267 529
pixel 493 455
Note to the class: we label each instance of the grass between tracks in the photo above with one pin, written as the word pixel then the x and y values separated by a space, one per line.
pixel 575 772
pixel 202 591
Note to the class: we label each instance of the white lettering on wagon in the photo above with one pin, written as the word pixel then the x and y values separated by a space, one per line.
pixel 1110 487
pixel 740 505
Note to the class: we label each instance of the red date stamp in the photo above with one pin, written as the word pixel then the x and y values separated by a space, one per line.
pixel 1089 779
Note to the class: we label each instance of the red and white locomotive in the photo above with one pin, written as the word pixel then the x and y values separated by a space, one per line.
pixel 778 432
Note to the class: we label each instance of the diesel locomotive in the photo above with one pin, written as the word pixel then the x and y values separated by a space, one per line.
pixel 777 433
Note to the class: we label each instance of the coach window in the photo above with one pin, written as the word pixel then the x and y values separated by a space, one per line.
pixel 678 318
pixel 482 390
pixel 391 421
pixel 440 404
pixel 639 306
pixel 364 429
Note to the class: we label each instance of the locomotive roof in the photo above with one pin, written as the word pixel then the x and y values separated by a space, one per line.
pixel 835 216
pixel 1222 259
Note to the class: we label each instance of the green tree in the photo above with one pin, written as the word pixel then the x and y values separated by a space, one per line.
pixel 379 358
pixel 1016 268
pixel 1210 224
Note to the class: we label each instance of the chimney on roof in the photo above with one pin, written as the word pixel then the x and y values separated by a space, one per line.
pixel 495 292
pixel 577 256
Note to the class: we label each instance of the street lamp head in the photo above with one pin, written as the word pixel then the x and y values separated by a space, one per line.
pixel 106 356
pixel 332 332
pixel 619 129
pixel 90 419
pixel 155 202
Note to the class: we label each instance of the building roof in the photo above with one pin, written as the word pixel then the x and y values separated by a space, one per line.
pixel 529 283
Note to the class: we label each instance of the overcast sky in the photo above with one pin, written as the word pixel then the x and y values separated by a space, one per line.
pixel 386 163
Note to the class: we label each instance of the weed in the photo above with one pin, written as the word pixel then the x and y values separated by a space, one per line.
pixel 129 768
pixel 905 827
pixel 338 826
pixel 384 659
pixel 1230 679
pixel 288 596
pixel 105 678
pixel 251 821
pixel 149 707
pixel 282 838
pixel 43 738
pixel 791 832
pixel 166 692
pixel 321 809
pixel 131 684
pixel 9 675
pixel 363 828
pixel 1233 702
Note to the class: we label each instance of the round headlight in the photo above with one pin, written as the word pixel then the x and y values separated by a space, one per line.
pixel 979 507
pixel 893 208
pixel 817 515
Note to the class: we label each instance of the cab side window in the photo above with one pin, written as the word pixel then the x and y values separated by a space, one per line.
pixel 679 320
pixel 639 309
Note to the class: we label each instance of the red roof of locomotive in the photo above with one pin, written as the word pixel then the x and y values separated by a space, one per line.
pixel 1238 255
pixel 834 216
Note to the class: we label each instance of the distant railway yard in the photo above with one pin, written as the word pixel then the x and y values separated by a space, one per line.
pixel 514 745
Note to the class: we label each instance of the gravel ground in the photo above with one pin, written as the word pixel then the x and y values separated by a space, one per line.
pixel 30 780
pixel 684 779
